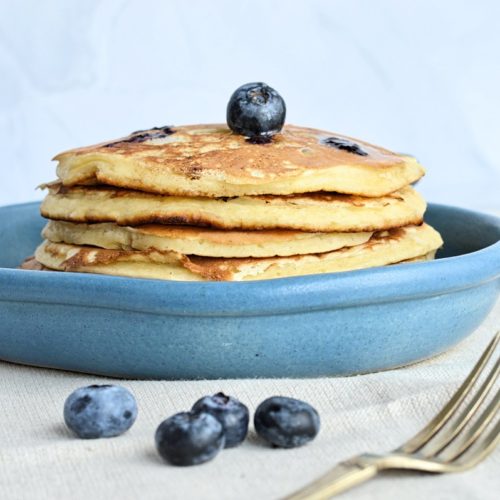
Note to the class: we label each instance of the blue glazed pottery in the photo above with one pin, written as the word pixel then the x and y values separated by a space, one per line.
pixel 310 326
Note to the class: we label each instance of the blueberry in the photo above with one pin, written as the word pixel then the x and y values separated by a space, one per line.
pixel 254 110
pixel 344 145
pixel 100 411
pixel 286 422
pixel 157 131
pixel 231 413
pixel 189 438
pixel 143 136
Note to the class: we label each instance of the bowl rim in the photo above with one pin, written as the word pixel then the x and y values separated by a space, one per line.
pixel 289 295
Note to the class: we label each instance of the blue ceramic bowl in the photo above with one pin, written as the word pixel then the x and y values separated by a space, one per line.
pixel 311 326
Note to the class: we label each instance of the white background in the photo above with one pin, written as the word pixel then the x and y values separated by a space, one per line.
pixel 421 77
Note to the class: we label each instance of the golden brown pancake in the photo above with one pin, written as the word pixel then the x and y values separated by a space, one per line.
pixel 212 161
pixel 385 247
pixel 316 212
pixel 31 264
pixel 200 241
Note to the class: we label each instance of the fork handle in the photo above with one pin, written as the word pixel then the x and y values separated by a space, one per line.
pixel 344 476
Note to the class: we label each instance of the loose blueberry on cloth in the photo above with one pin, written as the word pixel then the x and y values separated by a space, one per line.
pixel 100 411
pixel 189 438
pixel 231 413
pixel 256 110
pixel 286 422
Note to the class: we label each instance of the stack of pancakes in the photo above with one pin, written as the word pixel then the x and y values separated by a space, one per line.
pixel 202 203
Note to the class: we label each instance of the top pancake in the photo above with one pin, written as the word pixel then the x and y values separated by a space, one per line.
pixel 212 161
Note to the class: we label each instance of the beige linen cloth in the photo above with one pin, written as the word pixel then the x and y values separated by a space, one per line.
pixel 40 459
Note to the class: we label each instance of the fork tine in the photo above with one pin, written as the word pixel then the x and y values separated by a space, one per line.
pixel 444 437
pixel 463 443
pixel 481 450
pixel 419 440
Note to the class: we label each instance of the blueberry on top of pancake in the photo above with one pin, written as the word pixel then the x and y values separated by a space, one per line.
pixel 256 111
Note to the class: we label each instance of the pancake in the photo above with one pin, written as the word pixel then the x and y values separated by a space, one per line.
pixel 316 212
pixel 212 161
pixel 200 241
pixel 385 247
pixel 420 258
pixel 31 264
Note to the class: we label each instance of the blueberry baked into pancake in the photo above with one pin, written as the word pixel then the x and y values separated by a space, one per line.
pixel 251 199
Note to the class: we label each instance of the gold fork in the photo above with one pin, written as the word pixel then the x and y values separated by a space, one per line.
pixel 435 448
